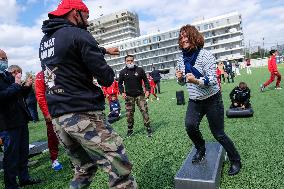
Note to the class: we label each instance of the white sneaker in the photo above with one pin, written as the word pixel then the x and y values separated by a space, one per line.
pixel 278 88
pixel 158 98
pixel 56 166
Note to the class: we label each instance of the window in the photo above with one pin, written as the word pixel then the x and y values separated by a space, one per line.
pixel 145 41
pixel 206 27
pixel 228 21
pixel 154 39
pixel 176 33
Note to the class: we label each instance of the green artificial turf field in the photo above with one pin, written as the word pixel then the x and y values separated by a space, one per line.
pixel 156 161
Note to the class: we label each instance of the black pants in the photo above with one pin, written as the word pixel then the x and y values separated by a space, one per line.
pixel 33 111
pixel 16 151
pixel 157 86
pixel 231 76
pixel 213 108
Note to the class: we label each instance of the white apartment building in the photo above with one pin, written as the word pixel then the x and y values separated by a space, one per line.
pixel 115 27
pixel 223 37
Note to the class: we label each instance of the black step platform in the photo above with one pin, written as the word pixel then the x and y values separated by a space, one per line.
pixel 206 174
pixel 35 149
pixel 239 112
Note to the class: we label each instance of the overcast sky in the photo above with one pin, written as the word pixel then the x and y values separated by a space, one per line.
pixel 21 20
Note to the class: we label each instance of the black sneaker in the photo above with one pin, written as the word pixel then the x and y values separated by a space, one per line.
pixel 129 132
pixel 149 132
pixel 198 156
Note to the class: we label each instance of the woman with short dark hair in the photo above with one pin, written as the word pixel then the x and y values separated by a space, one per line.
pixel 197 69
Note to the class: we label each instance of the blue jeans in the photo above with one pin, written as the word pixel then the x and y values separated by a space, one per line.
pixel 213 108
pixel 16 151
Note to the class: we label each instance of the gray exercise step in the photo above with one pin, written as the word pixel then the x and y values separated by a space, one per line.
pixel 204 175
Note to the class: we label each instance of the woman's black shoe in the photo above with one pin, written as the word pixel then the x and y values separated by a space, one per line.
pixel 235 168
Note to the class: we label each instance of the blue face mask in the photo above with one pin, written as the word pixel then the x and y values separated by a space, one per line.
pixel 3 65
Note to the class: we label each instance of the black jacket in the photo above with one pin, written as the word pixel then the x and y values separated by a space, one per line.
pixel 155 74
pixel 13 110
pixel 31 98
pixel 240 96
pixel 71 59
pixel 132 80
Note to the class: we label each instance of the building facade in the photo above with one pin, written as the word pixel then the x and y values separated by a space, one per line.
pixel 223 37
pixel 115 27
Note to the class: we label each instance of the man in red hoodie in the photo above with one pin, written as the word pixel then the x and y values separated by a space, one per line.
pixel 51 136
pixel 272 67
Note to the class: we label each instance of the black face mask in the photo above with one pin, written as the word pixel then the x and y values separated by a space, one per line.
pixel 82 24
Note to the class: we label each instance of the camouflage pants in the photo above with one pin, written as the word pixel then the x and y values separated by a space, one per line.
pixel 130 109
pixel 90 143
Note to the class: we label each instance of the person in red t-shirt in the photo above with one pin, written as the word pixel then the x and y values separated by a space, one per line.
pixel 218 74
pixel 272 67
pixel 153 86
pixel 51 136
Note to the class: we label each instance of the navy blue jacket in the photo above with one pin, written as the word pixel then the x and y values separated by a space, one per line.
pixel 13 110
pixel 155 74
pixel 71 59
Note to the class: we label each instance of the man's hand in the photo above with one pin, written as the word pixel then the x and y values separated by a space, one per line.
pixel 179 74
pixel 112 51
pixel 235 104
pixel 190 78
pixel 18 78
pixel 243 107
pixel 147 94
pixel 48 118
pixel 123 95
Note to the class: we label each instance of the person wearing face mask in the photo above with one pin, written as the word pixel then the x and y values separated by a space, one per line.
pixel 196 68
pixel 130 86
pixel 240 96
pixel 15 131
pixel 71 59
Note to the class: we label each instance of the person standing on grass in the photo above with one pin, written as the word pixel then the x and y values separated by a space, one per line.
pixel 52 140
pixel 198 72
pixel 248 65
pixel 229 71
pixel 272 67
pixel 71 59
pixel 14 118
pixel 155 74
pixel 131 88
pixel 152 86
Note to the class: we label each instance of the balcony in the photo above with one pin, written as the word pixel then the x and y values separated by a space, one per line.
pixel 224 41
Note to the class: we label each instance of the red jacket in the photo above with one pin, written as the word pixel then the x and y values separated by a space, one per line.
pixel 272 67
pixel 111 90
pixel 40 93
